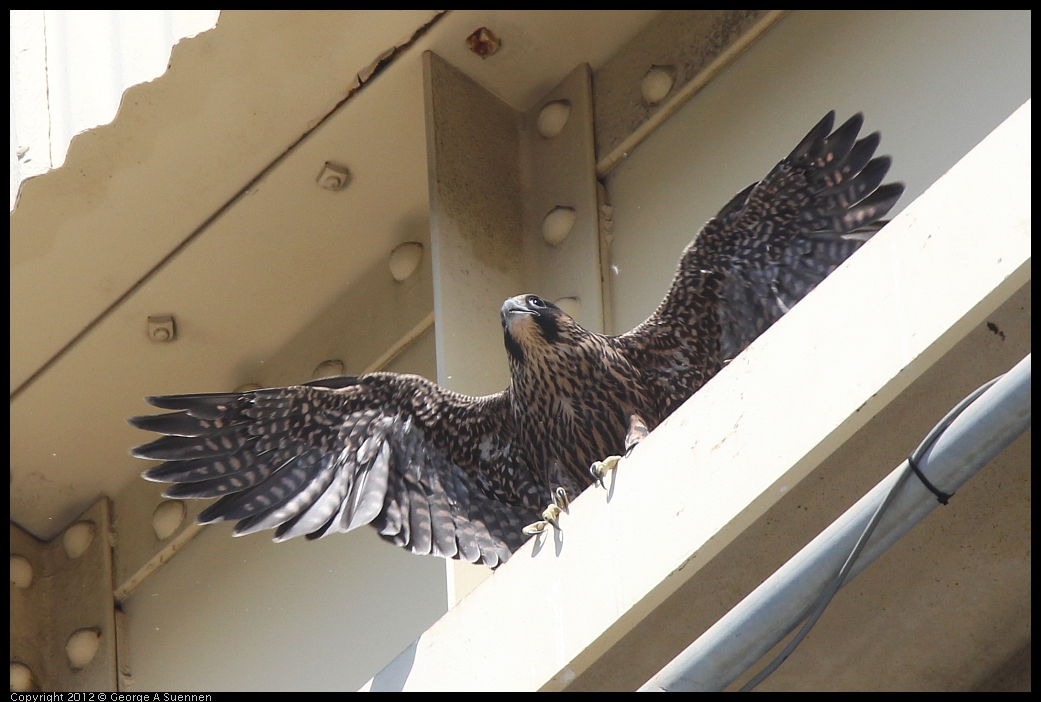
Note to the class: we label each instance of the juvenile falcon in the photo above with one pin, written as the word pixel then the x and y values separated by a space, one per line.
pixel 443 473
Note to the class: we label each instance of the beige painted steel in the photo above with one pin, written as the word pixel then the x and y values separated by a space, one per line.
pixel 203 177
pixel 934 84
pixel 926 115
pixel 477 224
pixel 625 551
pixel 181 155
pixel 560 172
pixel 131 191
pixel 140 551
pixel 477 239
pixel 70 594
pixel 264 307
pixel 487 231
pixel 692 47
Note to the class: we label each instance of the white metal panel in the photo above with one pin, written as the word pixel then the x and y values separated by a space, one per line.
pixel 69 69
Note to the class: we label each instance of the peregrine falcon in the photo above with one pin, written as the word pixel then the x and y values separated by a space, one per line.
pixel 442 473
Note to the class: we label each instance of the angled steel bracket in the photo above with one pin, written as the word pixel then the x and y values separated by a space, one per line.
pixel 513 209
pixel 63 618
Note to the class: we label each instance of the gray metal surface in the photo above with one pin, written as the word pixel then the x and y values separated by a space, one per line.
pixel 786 598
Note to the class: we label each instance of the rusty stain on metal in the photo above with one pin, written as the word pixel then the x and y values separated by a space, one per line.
pixel 483 42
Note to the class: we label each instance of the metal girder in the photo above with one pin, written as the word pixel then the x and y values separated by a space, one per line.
pixel 513 203
pixel 149 531
pixel 63 618
pixel 496 183
pixel 663 67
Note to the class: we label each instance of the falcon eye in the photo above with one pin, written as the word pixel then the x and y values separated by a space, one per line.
pixel 536 302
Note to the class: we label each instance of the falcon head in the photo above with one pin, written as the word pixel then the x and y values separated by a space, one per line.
pixel 532 325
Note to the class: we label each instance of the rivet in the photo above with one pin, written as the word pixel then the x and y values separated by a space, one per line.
pixel 167 517
pixel 571 306
pixel 77 538
pixel 557 224
pixel 334 177
pixel 405 259
pixel 82 646
pixel 21 678
pixel 553 117
pixel 327 369
pixel 657 83
pixel 162 328
pixel 483 42
pixel 21 571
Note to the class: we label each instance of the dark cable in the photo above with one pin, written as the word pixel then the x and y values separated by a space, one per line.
pixel 840 578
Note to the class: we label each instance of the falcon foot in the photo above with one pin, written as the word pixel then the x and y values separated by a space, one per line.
pixel 637 432
pixel 550 515
pixel 599 469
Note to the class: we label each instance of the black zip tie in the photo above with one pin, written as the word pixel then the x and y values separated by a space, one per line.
pixel 941 496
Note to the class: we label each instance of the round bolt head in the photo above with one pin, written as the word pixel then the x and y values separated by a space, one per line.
pixel 557 225
pixel 553 117
pixel 77 538
pixel 657 83
pixel 571 306
pixel 327 369
pixel 21 678
pixel 82 646
pixel 21 571
pixel 405 259
pixel 167 517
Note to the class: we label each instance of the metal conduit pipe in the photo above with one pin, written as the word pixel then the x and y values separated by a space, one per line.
pixel 768 614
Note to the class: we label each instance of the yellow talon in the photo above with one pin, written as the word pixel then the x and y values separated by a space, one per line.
pixel 535 528
pixel 550 515
pixel 599 469
pixel 561 501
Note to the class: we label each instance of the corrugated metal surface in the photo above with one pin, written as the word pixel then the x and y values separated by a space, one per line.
pixel 69 69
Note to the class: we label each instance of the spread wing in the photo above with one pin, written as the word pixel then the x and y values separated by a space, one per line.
pixel 764 251
pixel 423 465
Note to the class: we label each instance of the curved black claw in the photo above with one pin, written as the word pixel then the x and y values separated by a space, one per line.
pixel 562 500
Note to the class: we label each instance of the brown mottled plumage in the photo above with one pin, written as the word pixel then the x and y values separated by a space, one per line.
pixel 443 473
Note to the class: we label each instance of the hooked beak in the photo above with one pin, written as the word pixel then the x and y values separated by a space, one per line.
pixel 514 307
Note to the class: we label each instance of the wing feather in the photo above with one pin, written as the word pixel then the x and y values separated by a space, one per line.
pixel 768 247
pixel 397 452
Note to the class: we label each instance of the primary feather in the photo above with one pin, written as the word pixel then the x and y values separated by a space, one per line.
pixel 442 473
